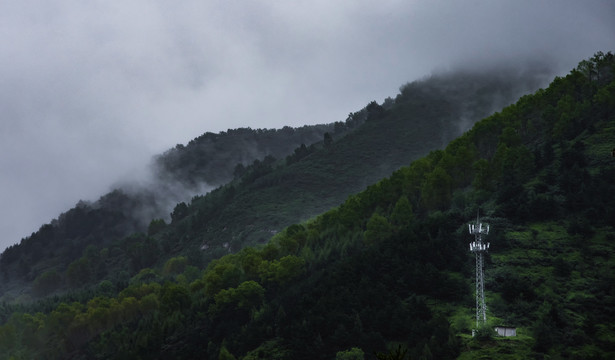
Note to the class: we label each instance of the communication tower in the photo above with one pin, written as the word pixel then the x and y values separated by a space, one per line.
pixel 479 247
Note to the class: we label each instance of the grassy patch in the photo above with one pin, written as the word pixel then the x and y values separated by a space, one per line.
pixel 517 347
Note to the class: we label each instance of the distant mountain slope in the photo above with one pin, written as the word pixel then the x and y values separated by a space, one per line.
pixel 268 194
pixel 423 117
pixel 178 174
pixel 213 158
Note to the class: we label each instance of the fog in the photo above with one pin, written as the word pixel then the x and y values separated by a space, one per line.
pixel 90 91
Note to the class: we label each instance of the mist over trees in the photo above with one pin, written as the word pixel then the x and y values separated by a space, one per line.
pixel 424 116
pixel 355 245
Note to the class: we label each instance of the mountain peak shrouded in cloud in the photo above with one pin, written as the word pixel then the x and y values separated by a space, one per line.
pixel 90 92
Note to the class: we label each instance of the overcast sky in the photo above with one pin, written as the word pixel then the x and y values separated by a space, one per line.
pixel 90 90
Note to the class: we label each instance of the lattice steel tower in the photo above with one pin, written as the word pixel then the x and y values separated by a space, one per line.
pixel 479 248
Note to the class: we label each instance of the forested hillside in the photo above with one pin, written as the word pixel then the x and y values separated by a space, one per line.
pixel 388 271
pixel 178 174
pixel 280 177
pixel 216 158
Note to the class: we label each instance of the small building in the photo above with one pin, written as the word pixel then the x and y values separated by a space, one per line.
pixel 506 330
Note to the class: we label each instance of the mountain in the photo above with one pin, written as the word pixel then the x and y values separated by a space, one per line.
pixel 216 158
pixel 280 177
pixel 274 194
pixel 385 273
pixel 177 175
